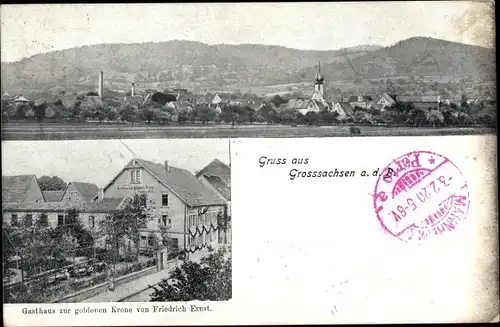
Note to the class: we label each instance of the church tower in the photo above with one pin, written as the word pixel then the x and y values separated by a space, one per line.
pixel 318 82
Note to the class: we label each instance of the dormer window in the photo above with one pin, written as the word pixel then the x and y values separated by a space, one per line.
pixel 135 176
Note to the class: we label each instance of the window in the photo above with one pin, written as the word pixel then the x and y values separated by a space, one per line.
pixel 28 220
pixel 135 176
pixel 151 241
pixel 60 220
pixel 191 220
pixel 164 220
pixel 13 220
pixel 164 200
pixel 44 220
pixel 91 221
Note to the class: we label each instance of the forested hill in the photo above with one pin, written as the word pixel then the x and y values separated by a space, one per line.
pixel 193 63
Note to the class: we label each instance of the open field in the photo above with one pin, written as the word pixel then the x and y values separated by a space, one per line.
pixel 75 131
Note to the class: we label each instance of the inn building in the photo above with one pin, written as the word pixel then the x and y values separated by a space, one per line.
pixel 192 210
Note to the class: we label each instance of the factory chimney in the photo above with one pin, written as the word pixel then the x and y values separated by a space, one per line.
pixel 132 92
pixel 101 84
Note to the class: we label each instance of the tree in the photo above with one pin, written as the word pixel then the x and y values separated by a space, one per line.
pixel 269 114
pixel 328 117
pixel 209 280
pixel 124 224
pixel 311 118
pixel 33 243
pixel 229 114
pixel 277 100
pixel 182 116
pixel 23 111
pixel 205 113
pixel 54 183
pixel 39 111
pixel 150 113
pixel 129 113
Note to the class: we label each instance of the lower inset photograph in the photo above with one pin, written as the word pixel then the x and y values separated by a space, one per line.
pixel 116 221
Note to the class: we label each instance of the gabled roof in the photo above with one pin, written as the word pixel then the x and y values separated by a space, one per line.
pixel 105 205
pixel 222 187
pixel 21 99
pixel 88 191
pixel 322 106
pixel 217 168
pixel 14 188
pixel 181 182
pixel 53 196
pixel 347 108
pixel 296 104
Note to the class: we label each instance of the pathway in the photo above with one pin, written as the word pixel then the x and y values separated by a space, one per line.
pixel 127 289
pixel 140 286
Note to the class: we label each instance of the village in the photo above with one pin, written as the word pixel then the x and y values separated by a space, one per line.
pixel 317 106
pixel 146 219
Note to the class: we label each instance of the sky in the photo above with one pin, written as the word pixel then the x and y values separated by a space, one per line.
pixel 100 160
pixel 30 29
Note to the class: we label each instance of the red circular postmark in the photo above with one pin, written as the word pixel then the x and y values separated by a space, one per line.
pixel 419 195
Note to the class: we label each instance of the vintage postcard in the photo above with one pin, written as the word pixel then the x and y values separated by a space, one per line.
pixel 247 70
pixel 353 143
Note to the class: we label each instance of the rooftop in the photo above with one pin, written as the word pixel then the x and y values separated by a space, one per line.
pixel 217 168
pixel 87 190
pixel 183 183
pixel 53 196
pixel 14 188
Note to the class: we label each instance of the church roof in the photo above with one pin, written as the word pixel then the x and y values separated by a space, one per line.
pixel 297 104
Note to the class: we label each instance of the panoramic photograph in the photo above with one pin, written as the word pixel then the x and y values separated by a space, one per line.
pixel 116 221
pixel 272 70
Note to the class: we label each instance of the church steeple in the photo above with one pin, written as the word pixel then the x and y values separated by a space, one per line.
pixel 318 81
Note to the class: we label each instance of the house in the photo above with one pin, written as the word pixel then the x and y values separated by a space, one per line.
pixel 22 199
pixel 343 109
pixel 79 193
pixel 216 99
pixel 386 100
pixel 21 100
pixel 21 189
pixel 217 176
pixel 255 103
pixel 362 101
pixel 302 105
pixel 90 214
pixel 182 203
pixel 236 102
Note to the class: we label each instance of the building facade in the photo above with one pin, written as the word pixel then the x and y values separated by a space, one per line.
pixel 189 210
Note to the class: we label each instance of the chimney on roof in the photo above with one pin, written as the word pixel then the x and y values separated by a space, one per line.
pixel 167 167
pixel 101 84
pixel 100 195
pixel 132 92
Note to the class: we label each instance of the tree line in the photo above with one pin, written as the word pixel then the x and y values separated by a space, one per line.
pixel 271 112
